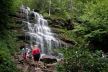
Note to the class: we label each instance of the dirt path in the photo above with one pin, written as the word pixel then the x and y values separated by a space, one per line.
pixel 30 67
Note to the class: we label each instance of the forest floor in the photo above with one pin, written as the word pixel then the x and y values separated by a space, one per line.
pixel 29 66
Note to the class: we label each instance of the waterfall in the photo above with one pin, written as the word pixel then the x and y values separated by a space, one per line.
pixel 39 32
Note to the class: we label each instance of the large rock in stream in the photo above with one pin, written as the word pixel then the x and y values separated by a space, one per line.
pixel 48 59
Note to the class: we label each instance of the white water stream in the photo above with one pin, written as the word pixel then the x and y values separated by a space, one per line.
pixel 39 31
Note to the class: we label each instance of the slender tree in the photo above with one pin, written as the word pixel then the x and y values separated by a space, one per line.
pixel 50 7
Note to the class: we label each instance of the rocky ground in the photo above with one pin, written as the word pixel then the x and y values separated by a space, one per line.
pixel 29 66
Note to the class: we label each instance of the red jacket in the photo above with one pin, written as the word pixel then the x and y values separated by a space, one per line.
pixel 36 51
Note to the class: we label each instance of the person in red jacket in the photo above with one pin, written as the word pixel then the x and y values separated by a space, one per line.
pixel 36 54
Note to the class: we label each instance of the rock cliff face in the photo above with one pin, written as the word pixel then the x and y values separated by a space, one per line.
pixel 60 26
pixel 61 23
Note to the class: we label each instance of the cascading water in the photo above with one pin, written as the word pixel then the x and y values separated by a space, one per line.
pixel 39 32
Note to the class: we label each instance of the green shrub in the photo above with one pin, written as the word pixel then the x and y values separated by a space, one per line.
pixel 6 64
pixel 82 60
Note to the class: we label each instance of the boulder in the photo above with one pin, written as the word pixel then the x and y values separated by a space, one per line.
pixel 48 59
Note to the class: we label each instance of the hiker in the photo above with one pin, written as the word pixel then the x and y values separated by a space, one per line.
pixel 28 51
pixel 36 54
pixel 25 52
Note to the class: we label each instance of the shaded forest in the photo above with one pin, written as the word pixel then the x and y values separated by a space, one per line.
pixel 82 24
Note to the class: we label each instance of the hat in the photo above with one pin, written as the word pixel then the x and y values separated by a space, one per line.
pixel 35 45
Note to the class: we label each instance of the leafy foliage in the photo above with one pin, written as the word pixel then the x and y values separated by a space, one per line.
pixel 80 59
pixel 6 64
pixel 7 38
pixel 90 32
pixel 91 35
